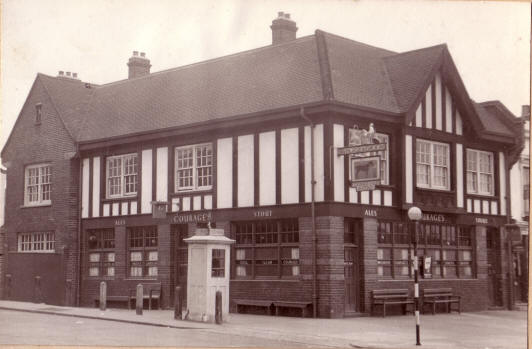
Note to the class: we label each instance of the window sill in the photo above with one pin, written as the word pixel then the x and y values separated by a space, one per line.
pixel 436 190
pixel 120 198
pixel 191 191
pixel 294 279
pixel 36 205
pixel 481 196
pixel 36 252
pixel 141 279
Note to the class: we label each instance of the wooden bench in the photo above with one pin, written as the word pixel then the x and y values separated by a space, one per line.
pixel 433 296
pixel 254 302
pixel 113 298
pixel 151 291
pixel 391 297
pixel 301 305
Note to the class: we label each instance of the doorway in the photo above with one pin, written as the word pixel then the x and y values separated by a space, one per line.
pixel 352 237
pixel 494 284
pixel 180 232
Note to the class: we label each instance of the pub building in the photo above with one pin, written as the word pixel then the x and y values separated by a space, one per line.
pixel 307 152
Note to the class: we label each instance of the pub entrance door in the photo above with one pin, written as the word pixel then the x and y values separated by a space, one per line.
pixel 352 238
pixel 180 232
pixel 494 284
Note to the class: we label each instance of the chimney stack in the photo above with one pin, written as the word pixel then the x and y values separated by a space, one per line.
pixel 67 75
pixel 283 29
pixel 525 110
pixel 138 65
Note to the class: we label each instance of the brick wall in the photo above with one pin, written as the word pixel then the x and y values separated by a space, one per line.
pixel 32 144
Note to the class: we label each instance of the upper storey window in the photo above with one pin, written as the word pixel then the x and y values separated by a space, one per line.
pixel 193 167
pixel 38 188
pixel 432 165
pixel 122 174
pixel 480 172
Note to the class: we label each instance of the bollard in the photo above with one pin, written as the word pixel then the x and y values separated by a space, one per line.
pixel 103 295
pixel 218 310
pixel 8 286
pixel 140 299
pixel 177 303
pixel 37 291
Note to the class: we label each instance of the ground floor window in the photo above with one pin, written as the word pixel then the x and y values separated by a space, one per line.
pixel 36 242
pixel 449 247
pixel 142 254
pixel 101 246
pixel 266 249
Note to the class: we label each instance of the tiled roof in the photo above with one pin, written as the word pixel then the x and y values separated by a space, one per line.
pixel 495 117
pixel 268 78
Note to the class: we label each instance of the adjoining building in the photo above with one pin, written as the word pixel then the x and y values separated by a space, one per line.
pixel 253 144
pixel 520 187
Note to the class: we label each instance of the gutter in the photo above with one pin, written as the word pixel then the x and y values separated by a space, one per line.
pixel 313 210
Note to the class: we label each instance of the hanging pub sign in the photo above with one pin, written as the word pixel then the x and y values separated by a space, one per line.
pixel 364 161
pixel 159 209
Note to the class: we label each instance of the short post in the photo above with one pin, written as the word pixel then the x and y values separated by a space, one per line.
pixel 139 299
pixel 415 214
pixel 37 291
pixel 177 303
pixel 103 296
pixel 218 310
pixel 8 286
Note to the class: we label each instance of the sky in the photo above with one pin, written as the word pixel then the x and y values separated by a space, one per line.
pixel 489 41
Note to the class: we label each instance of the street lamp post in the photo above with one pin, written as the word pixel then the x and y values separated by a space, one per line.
pixel 415 214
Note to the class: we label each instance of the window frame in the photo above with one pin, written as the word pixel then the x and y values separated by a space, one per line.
pixel 39 185
pixel 145 263
pixel 194 168
pixel 478 173
pixel 47 242
pixel 448 243
pixel 122 176
pixel 525 178
pixel 282 240
pixel 103 251
pixel 432 166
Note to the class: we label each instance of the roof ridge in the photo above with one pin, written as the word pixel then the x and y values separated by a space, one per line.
pixel 442 46
pixel 324 66
pixel 211 60
pixel 355 41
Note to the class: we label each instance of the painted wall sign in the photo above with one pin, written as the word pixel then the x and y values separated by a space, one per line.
pixel 357 149
pixel 262 213
pixel 120 222
pixel 434 217
pixel 481 220
pixel 201 217
pixel 370 213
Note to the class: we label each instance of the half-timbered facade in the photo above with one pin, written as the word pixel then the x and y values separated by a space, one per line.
pixel 250 143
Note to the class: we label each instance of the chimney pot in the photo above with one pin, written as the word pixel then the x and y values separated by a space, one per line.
pixel 143 54
pixel 61 73
pixel 75 75
pixel 135 53
pixel 280 14
pixel 68 73
pixel 287 15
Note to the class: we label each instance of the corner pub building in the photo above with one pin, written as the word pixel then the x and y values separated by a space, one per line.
pixel 250 143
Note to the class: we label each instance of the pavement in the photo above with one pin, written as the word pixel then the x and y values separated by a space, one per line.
pixel 493 329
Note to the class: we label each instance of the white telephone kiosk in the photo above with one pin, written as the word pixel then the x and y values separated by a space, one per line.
pixel 208 272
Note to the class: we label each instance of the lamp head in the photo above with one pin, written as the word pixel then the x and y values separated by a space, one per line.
pixel 414 213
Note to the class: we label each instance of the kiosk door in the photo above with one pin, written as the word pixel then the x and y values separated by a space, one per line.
pixel 492 245
pixel 351 278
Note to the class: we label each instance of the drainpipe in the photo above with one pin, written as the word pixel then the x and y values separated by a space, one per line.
pixel 78 288
pixel 506 233
pixel 313 209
